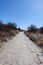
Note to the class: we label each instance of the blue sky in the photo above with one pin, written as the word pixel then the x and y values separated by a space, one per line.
pixel 22 12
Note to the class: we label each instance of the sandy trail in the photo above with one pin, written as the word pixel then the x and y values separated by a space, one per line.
pixel 20 51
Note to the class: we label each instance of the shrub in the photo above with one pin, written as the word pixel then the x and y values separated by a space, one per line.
pixel 19 29
pixel 32 28
pixel 2 26
pixel 41 30
pixel 12 26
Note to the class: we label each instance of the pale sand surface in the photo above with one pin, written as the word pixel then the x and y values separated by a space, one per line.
pixel 20 51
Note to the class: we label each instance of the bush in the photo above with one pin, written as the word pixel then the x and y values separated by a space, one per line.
pixel 19 29
pixel 12 26
pixel 7 31
pixel 2 26
pixel 32 28
pixel 41 30
pixel 7 27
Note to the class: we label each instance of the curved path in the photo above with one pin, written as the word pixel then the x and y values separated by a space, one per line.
pixel 20 51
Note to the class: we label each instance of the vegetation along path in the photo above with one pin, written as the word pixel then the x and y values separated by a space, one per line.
pixel 20 51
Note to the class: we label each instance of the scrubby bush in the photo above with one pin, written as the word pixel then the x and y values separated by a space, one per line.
pixel 41 30
pixel 19 29
pixel 32 28
pixel 2 26
pixel 12 26
pixel 6 27
pixel 7 31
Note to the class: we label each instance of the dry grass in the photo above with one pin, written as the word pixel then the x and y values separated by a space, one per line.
pixel 7 31
pixel 36 37
pixel 5 36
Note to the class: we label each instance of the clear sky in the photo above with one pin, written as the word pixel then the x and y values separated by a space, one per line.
pixel 22 12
